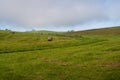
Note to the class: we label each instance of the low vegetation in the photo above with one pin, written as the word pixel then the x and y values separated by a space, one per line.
pixel 86 55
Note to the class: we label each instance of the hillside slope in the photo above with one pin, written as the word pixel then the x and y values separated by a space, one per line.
pixel 103 31
pixel 70 56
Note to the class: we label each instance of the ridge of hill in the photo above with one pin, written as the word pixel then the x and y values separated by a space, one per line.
pixel 101 31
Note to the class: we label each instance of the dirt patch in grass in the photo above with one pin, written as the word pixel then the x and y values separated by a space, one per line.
pixel 55 61
pixel 112 64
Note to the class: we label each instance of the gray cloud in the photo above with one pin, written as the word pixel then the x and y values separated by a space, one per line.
pixel 38 12
pixel 58 12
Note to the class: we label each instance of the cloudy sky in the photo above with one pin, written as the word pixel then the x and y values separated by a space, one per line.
pixel 58 15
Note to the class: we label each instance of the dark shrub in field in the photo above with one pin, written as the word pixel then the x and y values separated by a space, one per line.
pixel 13 32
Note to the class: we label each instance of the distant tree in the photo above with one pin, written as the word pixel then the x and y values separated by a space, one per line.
pixel 68 31
pixel 7 29
pixel 72 31
pixel 33 29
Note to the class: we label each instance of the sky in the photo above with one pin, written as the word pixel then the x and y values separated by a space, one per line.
pixel 58 15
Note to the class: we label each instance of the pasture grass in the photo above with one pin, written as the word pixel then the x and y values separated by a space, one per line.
pixel 70 56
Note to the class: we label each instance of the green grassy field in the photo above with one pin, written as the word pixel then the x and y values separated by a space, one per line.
pixel 86 55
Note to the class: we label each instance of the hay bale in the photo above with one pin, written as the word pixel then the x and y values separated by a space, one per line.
pixel 50 39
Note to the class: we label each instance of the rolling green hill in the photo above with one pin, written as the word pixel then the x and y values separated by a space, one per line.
pixel 103 31
pixel 84 55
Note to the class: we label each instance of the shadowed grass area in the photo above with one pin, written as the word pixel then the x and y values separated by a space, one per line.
pixel 70 56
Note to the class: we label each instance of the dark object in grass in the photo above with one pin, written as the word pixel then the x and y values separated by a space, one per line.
pixel 50 39
pixel 13 32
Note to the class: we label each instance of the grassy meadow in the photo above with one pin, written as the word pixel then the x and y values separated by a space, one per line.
pixel 82 55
